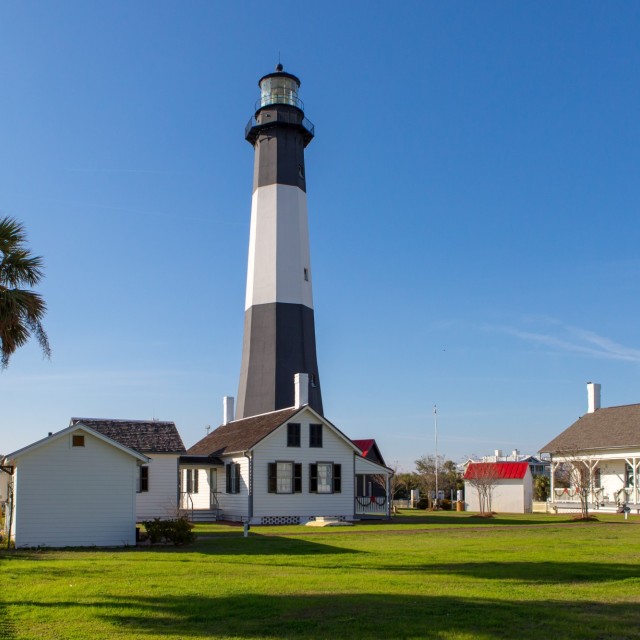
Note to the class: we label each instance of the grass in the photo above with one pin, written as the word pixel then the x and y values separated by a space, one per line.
pixel 440 576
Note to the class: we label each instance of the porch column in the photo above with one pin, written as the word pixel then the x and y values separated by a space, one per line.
pixel 552 483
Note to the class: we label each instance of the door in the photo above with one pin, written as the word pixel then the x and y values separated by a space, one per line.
pixel 213 487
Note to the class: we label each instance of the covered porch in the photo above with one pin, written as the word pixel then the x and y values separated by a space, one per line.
pixel 607 482
pixel 199 479
pixel 372 484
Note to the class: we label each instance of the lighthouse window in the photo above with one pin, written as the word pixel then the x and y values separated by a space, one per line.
pixel 306 274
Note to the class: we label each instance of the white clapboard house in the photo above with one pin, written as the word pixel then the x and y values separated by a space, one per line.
pixel 604 445
pixel 284 467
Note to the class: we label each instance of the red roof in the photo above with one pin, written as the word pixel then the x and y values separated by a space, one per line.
pixel 364 445
pixel 498 470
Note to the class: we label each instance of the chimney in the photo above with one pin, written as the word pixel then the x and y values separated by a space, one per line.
pixel 301 384
pixel 593 397
pixel 227 409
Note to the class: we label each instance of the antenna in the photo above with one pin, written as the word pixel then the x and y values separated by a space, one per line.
pixel 207 428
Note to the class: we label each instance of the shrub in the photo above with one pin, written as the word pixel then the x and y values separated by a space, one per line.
pixel 176 530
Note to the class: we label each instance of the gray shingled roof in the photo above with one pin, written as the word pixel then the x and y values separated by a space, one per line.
pixel 610 428
pixel 150 436
pixel 241 435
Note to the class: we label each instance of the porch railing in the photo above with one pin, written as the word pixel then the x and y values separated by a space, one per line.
pixel 186 503
pixel 371 505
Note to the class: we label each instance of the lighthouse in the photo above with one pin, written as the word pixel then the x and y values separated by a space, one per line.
pixel 279 328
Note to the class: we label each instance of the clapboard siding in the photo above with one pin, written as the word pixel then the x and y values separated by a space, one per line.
pixel 274 448
pixel 162 498
pixel 75 496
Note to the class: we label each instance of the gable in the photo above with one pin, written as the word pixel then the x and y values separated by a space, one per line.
pixel 66 435
pixel 305 417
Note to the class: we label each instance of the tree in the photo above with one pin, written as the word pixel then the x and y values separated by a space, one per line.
pixel 541 485
pixel 448 476
pixel 579 471
pixel 483 477
pixel 21 310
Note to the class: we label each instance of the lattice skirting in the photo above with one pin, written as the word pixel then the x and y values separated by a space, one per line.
pixel 280 520
pixel 275 520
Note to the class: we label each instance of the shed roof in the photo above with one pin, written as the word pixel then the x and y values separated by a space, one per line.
pixel 497 470
pixel 147 436
pixel 609 428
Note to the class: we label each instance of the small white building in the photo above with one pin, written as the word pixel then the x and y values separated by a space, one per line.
pixel 283 467
pixel 74 488
pixel 510 485
pixel 604 444
pixel 157 491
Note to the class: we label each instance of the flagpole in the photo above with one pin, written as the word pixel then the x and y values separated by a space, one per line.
pixel 435 420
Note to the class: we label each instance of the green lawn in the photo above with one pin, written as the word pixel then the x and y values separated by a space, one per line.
pixel 423 576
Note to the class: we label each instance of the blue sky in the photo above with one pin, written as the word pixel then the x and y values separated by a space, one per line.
pixel 473 198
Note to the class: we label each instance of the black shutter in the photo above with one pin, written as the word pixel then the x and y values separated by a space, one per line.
pixel 272 478
pixel 144 479
pixel 196 478
pixel 237 477
pixel 228 471
pixel 313 478
pixel 337 478
pixel 297 478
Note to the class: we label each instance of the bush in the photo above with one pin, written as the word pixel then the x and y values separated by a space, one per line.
pixel 178 530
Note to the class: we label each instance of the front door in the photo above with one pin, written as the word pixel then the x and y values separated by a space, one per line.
pixel 213 487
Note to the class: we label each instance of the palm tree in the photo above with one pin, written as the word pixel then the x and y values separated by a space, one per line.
pixel 21 310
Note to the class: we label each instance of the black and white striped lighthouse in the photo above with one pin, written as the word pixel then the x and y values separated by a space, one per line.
pixel 279 328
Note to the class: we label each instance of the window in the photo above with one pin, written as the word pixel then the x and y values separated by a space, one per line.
pixel 143 479
pixel 293 435
pixel 306 274
pixel 233 477
pixel 315 435
pixel 77 441
pixel 192 480
pixel 284 477
pixel 628 476
pixel 325 477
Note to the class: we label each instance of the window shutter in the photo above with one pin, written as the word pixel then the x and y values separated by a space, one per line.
pixel 272 478
pixel 337 478
pixel 196 477
pixel 143 479
pixel 313 478
pixel 228 472
pixel 297 478
pixel 236 468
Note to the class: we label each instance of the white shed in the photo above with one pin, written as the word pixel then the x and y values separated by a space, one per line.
pixel 510 485
pixel 75 488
